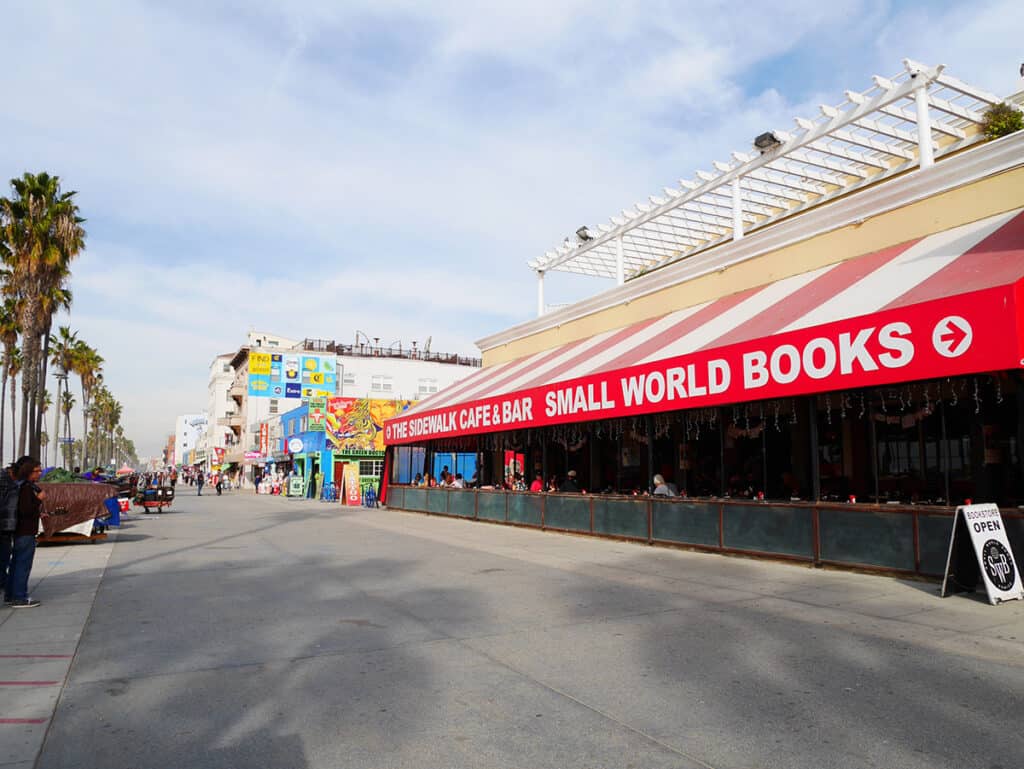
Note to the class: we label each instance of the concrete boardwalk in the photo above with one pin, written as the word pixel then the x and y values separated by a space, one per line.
pixel 247 631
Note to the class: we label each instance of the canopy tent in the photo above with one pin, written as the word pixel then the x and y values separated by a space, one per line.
pixel 944 305
pixel 125 470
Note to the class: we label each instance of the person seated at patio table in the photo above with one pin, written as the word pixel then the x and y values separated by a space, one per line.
pixel 538 483
pixel 418 480
pixel 661 488
pixel 569 485
pixel 458 483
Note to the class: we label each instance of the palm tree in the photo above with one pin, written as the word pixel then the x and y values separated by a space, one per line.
pixel 89 366
pixel 106 414
pixel 42 233
pixel 59 298
pixel 13 363
pixel 67 403
pixel 44 404
pixel 9 340
pixel 62 355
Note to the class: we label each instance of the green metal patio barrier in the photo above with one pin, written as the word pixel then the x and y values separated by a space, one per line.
pixel 908 539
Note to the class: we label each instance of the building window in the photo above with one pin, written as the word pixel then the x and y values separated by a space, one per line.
pixel 273 405
pixel 227 368
pixel 271 343
pixel 348 378
pixel 303 425
pixel 426 386
pixel 372 467
pixel 380 383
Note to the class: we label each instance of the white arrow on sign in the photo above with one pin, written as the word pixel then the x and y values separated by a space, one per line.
pixel 952 336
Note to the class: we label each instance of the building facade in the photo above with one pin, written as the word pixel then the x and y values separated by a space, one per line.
pixel 368 379
pixel 822 352
pixel 189 431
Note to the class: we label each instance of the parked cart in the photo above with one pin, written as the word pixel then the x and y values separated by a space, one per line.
pixel 155 498
pixel 74 512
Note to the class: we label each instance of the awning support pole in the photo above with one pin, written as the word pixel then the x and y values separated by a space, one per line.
pixel 649 426
pixel 925 155
pixel 737 210
pixel 721 453
pixel 620 266
pixel 945 447
pixel 874 451
pixel 540 293
pixel 618 464
pixel 544 458
pixel 812 415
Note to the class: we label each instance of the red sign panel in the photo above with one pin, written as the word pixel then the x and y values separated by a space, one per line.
pixel 964 334
pixel 264 439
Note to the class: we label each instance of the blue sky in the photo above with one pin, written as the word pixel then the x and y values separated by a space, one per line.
pixel 392 166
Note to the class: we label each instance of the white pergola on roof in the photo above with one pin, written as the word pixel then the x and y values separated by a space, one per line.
pixel 897 124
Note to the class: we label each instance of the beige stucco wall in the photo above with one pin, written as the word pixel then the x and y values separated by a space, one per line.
pixel 990 196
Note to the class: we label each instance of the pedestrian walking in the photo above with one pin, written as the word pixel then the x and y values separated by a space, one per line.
pixel 23 551
pixel 219 484
pixel 199 484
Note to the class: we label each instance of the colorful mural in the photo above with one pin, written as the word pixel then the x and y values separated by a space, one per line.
pixel 282 375
pixel 357 424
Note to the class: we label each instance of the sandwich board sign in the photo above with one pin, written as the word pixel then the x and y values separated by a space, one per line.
pixel 978 547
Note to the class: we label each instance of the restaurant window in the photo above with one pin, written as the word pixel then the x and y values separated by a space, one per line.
pixel 372 467
pixel 689 456
pixel 744 441
pixel 408 461
pixel 380 383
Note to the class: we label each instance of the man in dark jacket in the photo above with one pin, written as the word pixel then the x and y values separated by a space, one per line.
pixel 30 507
pixel 8 485
pixel 569 484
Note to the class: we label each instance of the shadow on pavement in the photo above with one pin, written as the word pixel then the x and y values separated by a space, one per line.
pixel 739 679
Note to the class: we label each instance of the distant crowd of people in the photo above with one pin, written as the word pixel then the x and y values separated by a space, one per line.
pixel 190 476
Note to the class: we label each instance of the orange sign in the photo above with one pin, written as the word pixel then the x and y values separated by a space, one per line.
pixel 352 491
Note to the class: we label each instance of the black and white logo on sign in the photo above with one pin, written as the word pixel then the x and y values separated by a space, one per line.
pixel 998 564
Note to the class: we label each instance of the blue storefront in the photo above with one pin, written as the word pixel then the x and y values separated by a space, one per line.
pixel 308 449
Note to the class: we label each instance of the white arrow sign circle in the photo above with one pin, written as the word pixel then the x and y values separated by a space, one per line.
pixel 952 336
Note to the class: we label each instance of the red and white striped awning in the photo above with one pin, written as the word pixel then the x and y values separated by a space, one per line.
pixel 944 305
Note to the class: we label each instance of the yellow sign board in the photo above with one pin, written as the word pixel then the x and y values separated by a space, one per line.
pixel 259 363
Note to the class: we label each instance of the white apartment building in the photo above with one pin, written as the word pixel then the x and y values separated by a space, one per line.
pixel 188 431
pixel 243 415
pixel 218 406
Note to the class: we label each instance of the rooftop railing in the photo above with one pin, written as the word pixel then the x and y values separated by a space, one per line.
pixel 394 351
